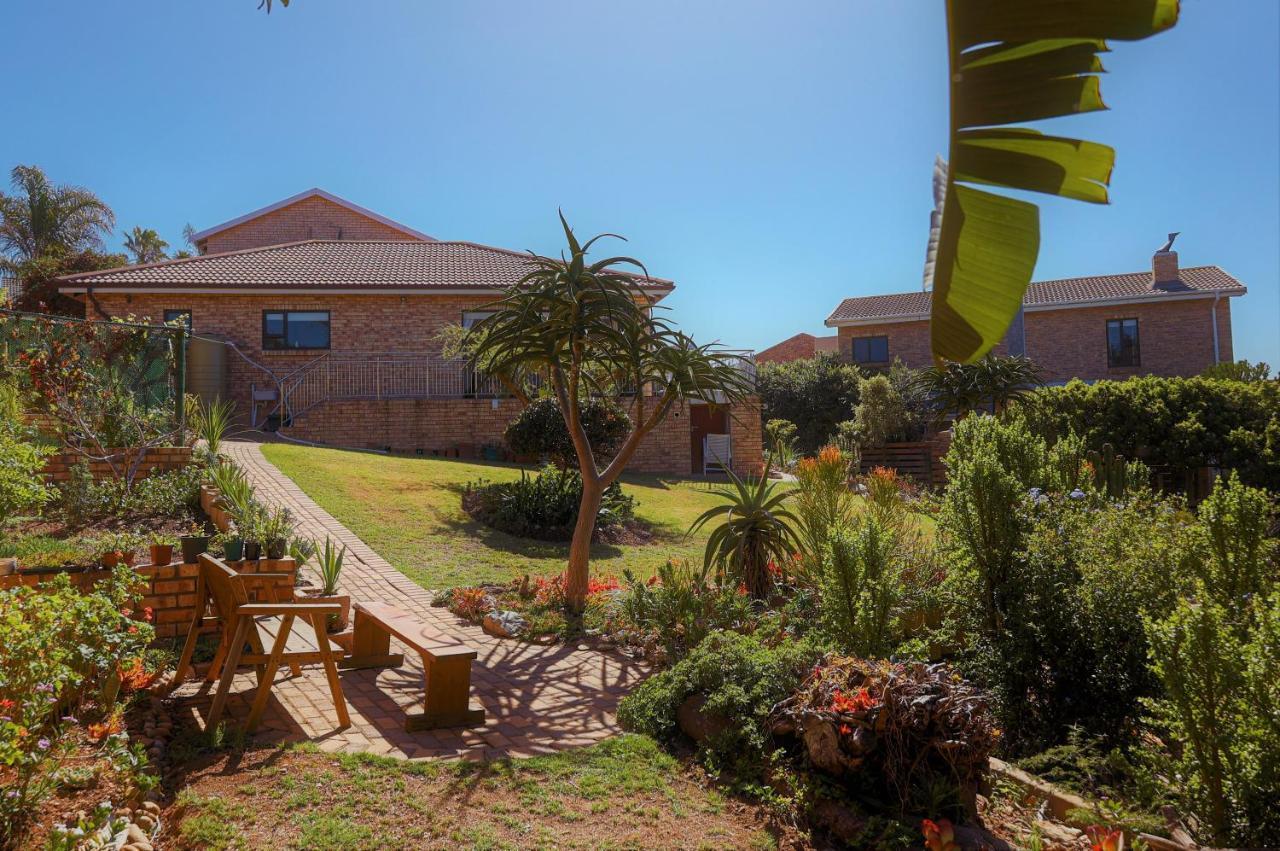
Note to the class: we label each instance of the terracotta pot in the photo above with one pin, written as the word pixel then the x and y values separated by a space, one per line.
pixel 337 623
pixel 161 553
pixel 112 558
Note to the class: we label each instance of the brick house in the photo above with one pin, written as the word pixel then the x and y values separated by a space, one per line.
pixel 320 318
pixel 799 347
pixel 1169 321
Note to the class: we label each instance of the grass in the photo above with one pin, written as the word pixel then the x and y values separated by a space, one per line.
pixel 622 793
pixel 410 511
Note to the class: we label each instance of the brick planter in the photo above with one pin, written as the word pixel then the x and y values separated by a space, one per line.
pixel 160 459
pixel 170 592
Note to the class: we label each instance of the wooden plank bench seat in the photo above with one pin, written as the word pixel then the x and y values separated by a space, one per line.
pixel 445 661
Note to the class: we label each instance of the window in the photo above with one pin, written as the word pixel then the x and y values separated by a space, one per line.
pixel 174 315
pixel 1122 342
pixel 295 329
pixel 471 318
pixel 871 350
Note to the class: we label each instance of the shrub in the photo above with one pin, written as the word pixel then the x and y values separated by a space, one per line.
pixel 22 487
pixel 741 679
pixel 544 506
pixel 816 394
pixel 861 588
pixel 171 493
pixel 780 444
pixel 681 607
pixel 540 430
pixel 824 504
pixel 754 530
pixel 1241 370
pixel 1179 424
pixel 881 415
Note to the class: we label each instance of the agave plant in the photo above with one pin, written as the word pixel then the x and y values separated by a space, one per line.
pixel 754 529
pixel 329 565
pixel 991 383
pixel 1012 61
pixel 212 422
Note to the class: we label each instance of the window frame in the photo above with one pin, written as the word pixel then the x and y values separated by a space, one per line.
pixel 1137 343
pixel 180 311
pixel 853 349
pixel 284 334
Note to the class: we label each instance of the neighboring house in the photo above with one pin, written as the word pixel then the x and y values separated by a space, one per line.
pixel 799 347
pixel 328 316
pixel 1168 321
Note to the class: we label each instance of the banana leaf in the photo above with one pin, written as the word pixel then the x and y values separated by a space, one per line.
pixel 1014 61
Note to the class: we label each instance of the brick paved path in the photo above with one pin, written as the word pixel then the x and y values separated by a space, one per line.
pixel 537 699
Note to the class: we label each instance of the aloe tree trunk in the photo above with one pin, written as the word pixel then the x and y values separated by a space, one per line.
pixel 578 572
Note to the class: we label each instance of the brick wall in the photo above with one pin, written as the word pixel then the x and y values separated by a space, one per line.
pixel 1175 339
pixel 310 218
pixel 161 459
pixel 747 432
pixel 799 347
pixel 171 588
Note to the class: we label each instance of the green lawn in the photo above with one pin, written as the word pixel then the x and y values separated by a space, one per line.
pixel 410 511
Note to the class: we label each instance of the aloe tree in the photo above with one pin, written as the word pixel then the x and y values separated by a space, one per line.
pixel 755 527
pixel 589 330
pixel 1011 61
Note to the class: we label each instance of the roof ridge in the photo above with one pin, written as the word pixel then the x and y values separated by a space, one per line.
pixel 313 192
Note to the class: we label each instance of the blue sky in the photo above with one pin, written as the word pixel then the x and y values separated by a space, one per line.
pixel 773 158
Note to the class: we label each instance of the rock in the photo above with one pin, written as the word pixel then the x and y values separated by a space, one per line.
pixel 583 647
pixel 134 833
pixel 823 745
pixel 695 723
pixel 1058 833
pixel 504 624
pixel 151 807
pixel 145 821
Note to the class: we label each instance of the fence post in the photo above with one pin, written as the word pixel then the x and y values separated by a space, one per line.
pixel 180 364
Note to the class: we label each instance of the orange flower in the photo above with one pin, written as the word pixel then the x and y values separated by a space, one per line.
pixel 860 701
pixel 939 835
pixel 135 677
pixel 1104 839
pixel 110 727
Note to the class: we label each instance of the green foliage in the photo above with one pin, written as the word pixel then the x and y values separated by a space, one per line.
pixel 741 677
pixel 83 500
pixel 682 607
pixel 780 444
pixel 22 486
pixel 988 385
pixel 1241 370
pixel 824 504
pixel 753 530
pixel 881 416
pixel 816 394
pixel 212 422
pixel 862 588
pixel 1241 558
pixel 1113 475
pixel 1176 423
pixel 545 506
pixel 329 565
pixel 540 430
pixel 234 491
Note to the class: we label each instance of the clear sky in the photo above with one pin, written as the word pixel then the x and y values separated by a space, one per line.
pixel 771 157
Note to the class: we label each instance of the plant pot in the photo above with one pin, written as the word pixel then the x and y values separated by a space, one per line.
pixel 8 566
pixel 233 549
pixel 161 553
pixel 337 623
pixel 128 558
pixel 276 549
pixel 252 550
pixel 111 559
pixel 193 546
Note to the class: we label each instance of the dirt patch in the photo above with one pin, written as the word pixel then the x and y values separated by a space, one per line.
pixel 622 794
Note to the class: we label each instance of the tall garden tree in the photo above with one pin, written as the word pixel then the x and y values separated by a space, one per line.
pixel 145 245
pixel 1013 61
pixel 588 330
pixel 40 219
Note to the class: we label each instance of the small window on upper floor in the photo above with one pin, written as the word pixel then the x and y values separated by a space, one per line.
pixel 1122 342
pixel 295 329
pixel 175 315
pixel 870 349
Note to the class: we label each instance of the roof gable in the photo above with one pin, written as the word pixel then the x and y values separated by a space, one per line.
pixel 316 192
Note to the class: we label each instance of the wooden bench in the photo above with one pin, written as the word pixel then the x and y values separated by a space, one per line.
pixel 445 661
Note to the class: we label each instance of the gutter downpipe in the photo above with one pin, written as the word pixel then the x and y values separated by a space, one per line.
pixel 1213 315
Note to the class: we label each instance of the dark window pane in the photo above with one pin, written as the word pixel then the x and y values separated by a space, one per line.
pixel 273 324
pixel 308 330
pixel 184 315
pixel 871 349
pixel 879 349
pixel 1122 342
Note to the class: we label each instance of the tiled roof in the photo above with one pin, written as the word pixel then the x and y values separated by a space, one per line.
pixel 329 265
pixel 1044 294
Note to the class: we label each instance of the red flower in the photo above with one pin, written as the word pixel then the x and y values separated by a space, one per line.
pixel 860 701
pixel 147 614
pixel 939 836
pixel 1104 839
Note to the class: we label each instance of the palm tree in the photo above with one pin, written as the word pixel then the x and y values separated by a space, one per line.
pixel 146 246
pixel 587 330
pixel 40 219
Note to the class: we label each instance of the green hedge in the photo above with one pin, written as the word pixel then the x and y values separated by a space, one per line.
pixel 1177 423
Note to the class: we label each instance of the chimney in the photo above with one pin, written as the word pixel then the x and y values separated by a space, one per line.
pixel 1164 266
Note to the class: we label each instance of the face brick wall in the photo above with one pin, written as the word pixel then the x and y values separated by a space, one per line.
pixel 1175 338
pixel 310 218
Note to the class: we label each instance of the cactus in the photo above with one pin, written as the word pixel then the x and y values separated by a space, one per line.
pixel 1110 472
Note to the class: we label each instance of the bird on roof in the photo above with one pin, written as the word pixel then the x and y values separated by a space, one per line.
pixel 1168 246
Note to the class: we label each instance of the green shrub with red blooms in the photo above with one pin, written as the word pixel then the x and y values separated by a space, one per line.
pixel 1177 423
pixel 63 652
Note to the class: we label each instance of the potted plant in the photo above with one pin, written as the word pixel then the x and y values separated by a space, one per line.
pixel 329 570
pixel 275 531
pixel 110 550
pixel 161 546
pixel 232 543
pixel 250 525
pixel 194 542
